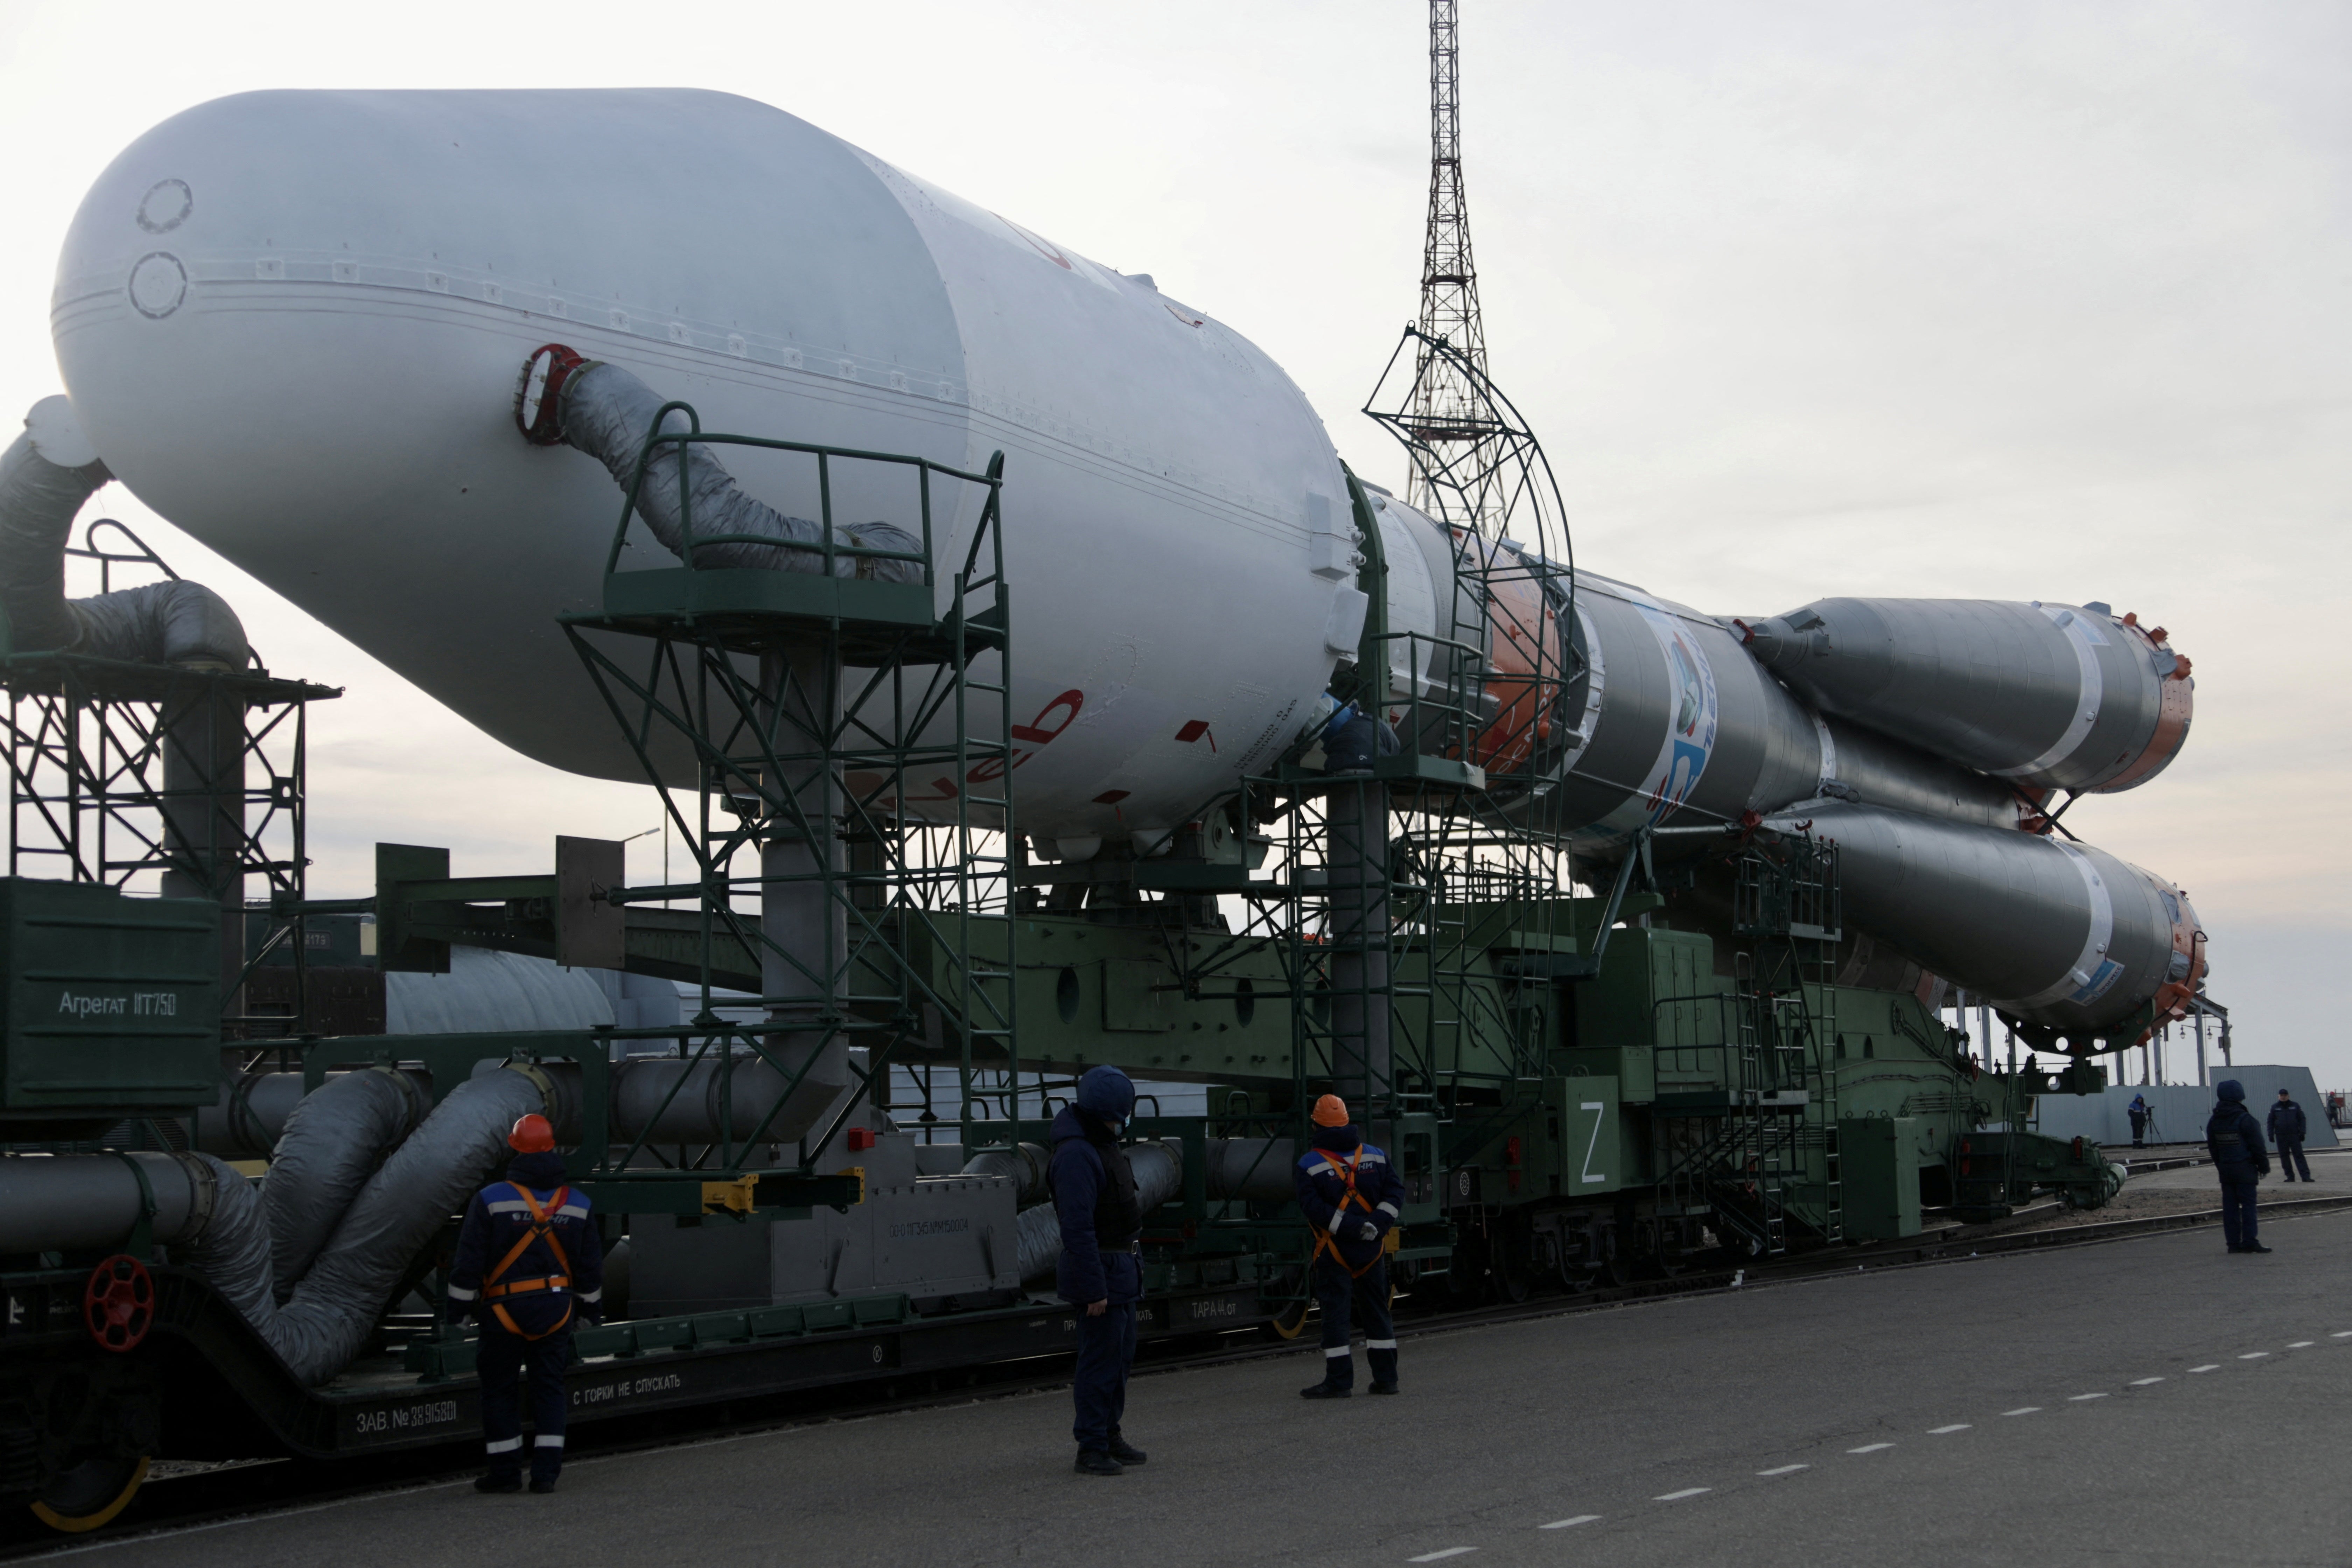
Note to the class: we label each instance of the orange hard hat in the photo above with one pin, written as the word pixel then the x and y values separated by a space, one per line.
pixel 1330 1112
pixel 531 1135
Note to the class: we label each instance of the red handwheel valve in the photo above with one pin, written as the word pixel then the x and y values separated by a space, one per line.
pixel 118 1303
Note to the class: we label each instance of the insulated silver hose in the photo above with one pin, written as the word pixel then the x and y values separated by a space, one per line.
pixel 1159 1175
pixel 607 412
pixel 333 1142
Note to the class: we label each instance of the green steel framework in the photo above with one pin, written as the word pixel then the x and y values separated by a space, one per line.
pixel 93 746
pixel 889 686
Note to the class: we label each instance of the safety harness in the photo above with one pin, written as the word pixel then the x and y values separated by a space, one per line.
pixel 542 1228
pixel 1324 1241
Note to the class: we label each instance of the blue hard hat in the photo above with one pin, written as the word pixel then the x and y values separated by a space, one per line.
pixel 1107 1094
pixel 2230 1089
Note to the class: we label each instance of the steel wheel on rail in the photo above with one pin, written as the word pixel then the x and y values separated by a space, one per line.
pixel 90 1493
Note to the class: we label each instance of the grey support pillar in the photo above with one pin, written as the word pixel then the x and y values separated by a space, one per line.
pixel 1360 938
pixel 804 898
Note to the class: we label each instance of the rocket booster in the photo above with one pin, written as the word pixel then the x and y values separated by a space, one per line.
pixel 292 323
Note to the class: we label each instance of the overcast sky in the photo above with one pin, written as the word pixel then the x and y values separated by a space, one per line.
pixel 2020 300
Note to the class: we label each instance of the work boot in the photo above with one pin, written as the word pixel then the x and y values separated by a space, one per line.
pixel 543 1487
pixel 1326 1391
pixel 1382 1388
pixel 1124 1452
pixel 497 1483
pixel 2254 1246
pixel 1096 1462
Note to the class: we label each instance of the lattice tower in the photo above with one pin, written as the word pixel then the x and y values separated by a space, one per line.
pixel 1447 411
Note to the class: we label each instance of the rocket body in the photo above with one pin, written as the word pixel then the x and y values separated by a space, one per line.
pixel 292 323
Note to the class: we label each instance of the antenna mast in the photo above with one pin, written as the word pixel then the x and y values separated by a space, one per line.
pixel 1448 408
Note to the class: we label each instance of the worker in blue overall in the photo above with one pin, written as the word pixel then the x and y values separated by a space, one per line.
pixel 2235 1140
pixel 1350 1196
pixel 2287 1130
pixel 1101 1271
pixel 529 1265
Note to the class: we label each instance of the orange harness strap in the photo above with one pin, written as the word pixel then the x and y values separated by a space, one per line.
pixel 1323 1241
pixel 542 1228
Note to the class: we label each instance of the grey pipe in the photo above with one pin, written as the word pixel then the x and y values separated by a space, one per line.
pixel 76 1201
pixel 1159 1169
pixel 708 1098
pixel 608 413
pixel 332 1143
pixel 1026 1165
pixel 1258 1170
pixel 246 1122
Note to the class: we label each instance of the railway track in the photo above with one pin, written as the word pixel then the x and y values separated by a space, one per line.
pixel 226 1493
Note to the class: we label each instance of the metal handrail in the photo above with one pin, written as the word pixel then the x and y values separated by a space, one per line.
pixel 826 546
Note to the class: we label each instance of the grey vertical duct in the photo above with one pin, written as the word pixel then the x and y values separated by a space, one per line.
pixel 1357 868
pixel 804 924
pixel 45 474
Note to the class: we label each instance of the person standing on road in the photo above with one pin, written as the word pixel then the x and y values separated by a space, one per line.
pixel 1101 1272
pixel 1350 1196
pixel 528 1260
pixel 2139 1114
pixel 2287 1130
pixel 2235 1139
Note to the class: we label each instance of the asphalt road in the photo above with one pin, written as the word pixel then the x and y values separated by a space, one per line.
pixel 2152 1402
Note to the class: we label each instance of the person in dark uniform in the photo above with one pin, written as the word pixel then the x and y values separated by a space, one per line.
pixel 1350 1196
pixel 1101 1273
pixel 529 1263
pixel 2287 1130
pixel 2235 1140
pixel 2139 1114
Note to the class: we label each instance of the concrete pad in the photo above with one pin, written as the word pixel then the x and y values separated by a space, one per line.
pixel 2047 1406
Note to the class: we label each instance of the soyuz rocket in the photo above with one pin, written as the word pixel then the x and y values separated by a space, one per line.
pixel 292 322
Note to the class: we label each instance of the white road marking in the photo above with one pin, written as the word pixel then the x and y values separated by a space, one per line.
pixel 1564 1523
pixel 2341 1334
pixel 2209 1366
pixel 1785 1470
pixel 2144 1382
pixel 1677 1497
pixel 2022 1410
pixel 2078 1398
pixel 2254 1355
pixel 2302 1345
pixel 1954 1426
pixel 1440 1556
pixel 1870 1447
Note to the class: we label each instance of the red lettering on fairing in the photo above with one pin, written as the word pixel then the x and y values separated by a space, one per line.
pixel 1036 733
pixel 1039 733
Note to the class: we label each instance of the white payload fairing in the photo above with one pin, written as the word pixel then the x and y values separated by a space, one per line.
pixel 292 323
